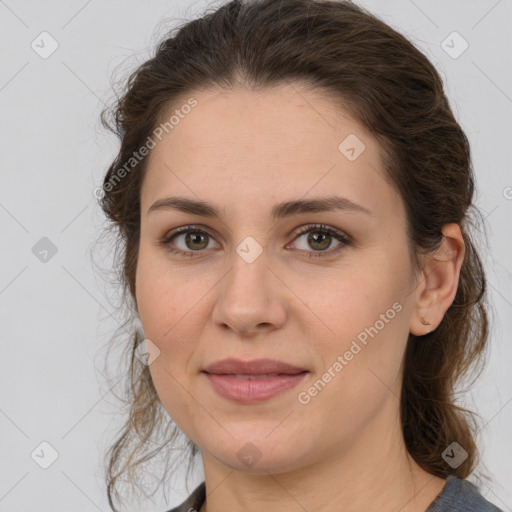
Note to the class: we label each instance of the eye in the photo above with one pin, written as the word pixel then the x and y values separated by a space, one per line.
pixel 320 237
pixel 196 239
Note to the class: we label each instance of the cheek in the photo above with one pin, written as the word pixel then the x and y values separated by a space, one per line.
pixel 161 299
pixel 165 313
pixel 357 301
pixel 171 312
pixel 360 334
pixel 359 365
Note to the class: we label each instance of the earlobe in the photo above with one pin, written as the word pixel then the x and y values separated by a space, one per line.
pixel 441 271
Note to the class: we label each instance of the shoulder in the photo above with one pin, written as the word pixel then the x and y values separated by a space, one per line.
pixel 461 496
pixel 194 502
pixel 457 496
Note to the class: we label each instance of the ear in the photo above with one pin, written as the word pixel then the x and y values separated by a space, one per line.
pixel 438 285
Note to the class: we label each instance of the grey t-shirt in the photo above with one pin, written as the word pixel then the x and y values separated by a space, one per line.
pixel 457 496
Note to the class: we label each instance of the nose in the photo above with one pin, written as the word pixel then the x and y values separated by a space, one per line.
pixel 252 298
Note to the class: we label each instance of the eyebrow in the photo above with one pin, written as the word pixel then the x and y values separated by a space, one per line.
pixel 278 211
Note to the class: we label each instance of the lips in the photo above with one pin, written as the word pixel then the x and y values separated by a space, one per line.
pixel 256 367
pixel 249 382
pixel 252 376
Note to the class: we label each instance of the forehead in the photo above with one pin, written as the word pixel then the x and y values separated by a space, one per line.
pixel 284 142
pixel 274 123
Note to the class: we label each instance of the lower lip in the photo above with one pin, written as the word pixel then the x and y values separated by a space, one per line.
pixel 249 391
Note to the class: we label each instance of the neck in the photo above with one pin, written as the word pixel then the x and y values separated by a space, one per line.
pixel 373 473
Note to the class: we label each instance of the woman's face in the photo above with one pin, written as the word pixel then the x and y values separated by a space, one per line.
pixel 249 285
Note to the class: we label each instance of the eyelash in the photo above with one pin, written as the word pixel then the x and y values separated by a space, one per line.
pixel 320 228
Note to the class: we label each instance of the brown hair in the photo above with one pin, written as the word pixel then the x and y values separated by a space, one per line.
pixel 391 88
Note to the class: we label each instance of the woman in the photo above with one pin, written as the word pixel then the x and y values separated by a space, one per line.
pixel 292 195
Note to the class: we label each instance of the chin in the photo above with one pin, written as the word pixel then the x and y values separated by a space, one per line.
pixel 260 455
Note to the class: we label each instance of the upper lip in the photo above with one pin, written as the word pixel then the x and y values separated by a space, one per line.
pixel 254 367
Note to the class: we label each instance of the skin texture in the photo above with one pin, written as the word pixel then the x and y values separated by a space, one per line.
pixel 245 151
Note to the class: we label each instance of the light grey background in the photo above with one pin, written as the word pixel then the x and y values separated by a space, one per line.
pixel 55 316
